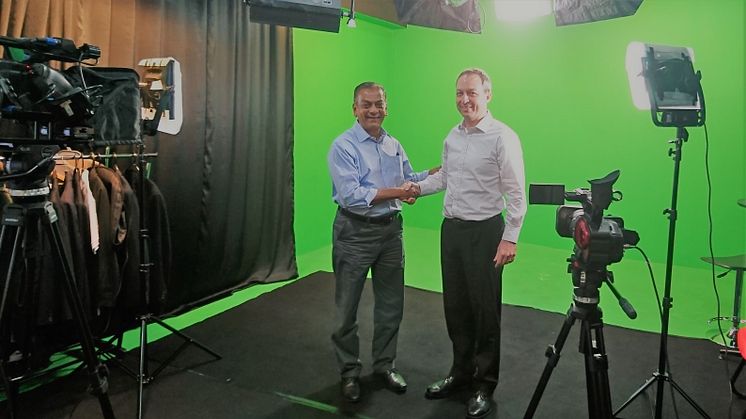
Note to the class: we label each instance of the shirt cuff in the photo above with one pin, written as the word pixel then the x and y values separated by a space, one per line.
pixel 511 234
pixel 371 196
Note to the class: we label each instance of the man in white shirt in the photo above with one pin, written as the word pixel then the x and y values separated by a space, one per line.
pixel 483 177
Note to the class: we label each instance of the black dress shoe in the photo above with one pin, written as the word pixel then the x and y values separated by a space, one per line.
pixel 394 381
pixel 479 405
pixel 351 389
pixel 445 387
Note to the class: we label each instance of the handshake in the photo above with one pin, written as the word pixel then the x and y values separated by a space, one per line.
pixel 409 191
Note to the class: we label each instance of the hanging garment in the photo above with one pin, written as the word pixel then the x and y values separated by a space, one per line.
pixel 105 269
pixel 127 248
pixel 73 206
pixel 156 222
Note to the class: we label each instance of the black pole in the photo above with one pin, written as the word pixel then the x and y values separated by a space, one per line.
pixel 143 373
pixel 660 376
pixel 675 153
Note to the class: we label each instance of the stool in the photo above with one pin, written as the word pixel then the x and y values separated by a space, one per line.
pixel 738 264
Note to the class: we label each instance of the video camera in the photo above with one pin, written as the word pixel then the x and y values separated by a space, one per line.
pixel 43 108
pixel 599 240
pixel 31 90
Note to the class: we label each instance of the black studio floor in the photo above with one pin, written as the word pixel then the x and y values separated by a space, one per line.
pixel 278 363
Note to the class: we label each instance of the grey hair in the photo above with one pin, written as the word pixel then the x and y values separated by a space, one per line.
pixel 486 82
pixel 367 85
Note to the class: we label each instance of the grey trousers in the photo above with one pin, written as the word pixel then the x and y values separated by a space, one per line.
pixel 358 247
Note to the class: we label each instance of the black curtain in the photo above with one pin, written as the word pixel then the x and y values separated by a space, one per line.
pixel 227 177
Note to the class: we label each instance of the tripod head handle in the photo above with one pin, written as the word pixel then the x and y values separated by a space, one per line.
pixel 626 306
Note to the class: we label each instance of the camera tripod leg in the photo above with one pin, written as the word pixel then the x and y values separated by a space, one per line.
pixel 97 373
pixel 596 367
pixel 553 355
pixel 9 219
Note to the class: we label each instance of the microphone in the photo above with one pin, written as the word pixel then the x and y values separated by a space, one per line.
pixel 52 47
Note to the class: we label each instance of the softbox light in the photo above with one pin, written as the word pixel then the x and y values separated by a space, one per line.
pixel 662 78
pixel 569 12
pixel 323 15
pixel 455 15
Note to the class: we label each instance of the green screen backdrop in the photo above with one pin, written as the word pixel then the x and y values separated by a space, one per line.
pixel 565 92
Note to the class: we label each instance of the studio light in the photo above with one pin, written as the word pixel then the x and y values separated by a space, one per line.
pixel 323 15
pixel 662 79
pixel 665 76
pixel 521 10
pixel 571 12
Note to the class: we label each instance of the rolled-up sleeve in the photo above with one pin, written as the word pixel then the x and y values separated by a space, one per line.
pixel 346 179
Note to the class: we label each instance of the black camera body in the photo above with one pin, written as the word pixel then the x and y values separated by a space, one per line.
pixel 599 240
pixel 43 109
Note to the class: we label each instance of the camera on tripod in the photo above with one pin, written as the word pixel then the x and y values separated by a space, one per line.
pixel 599 240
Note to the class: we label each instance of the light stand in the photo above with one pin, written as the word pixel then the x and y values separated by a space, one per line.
pixel 661 376
pixel 676 100
pixel 150 128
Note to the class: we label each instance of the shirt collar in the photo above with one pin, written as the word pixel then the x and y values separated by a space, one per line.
pixel 361 134
pixel 485 125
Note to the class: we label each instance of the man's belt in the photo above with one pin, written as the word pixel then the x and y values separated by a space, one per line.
pixel 383 219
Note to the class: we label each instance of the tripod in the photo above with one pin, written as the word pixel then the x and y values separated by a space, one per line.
pixel 596 364
pixel 660 377
pixel 32 205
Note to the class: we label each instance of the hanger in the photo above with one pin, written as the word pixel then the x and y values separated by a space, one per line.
pixel 68 160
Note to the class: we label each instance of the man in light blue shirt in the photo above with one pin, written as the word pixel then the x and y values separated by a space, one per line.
pixel 368 168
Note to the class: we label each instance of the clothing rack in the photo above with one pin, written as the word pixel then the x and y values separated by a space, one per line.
pixel 98 156
pixel 143 375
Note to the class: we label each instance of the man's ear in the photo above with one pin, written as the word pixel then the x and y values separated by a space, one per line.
pixel 489 95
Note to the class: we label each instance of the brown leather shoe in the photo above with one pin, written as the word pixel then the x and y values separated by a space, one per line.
pixel 445 387
pixel 350 388
pixel 394 381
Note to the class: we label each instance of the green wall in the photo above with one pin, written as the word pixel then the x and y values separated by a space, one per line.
pixel 565 91
pixel 327 67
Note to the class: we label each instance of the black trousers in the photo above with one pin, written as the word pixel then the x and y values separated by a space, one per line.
pixel 472 294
